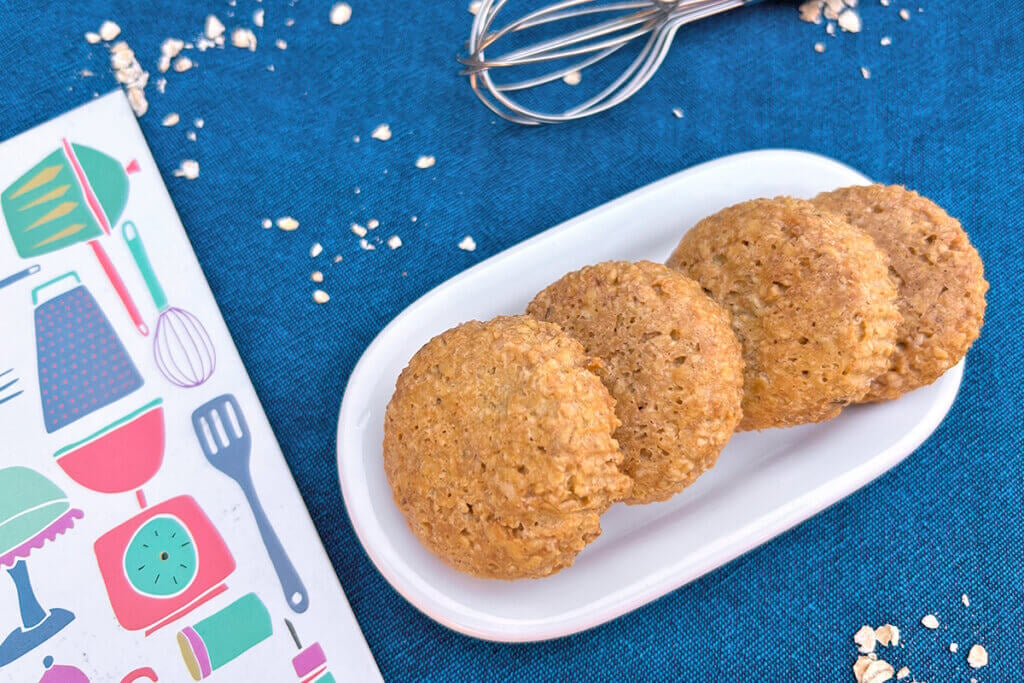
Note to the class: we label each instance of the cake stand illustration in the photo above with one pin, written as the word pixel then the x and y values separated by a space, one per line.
pixel 165 561
pixel 33 510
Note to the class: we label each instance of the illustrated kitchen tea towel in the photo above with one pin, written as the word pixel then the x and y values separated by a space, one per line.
pixel 149 525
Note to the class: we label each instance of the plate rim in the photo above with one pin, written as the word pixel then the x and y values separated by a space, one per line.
pixel 757 533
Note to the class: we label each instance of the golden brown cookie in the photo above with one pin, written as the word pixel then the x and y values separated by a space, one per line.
pixel 811 302
pixel 668 356
pixel 938 273
pixel 498 447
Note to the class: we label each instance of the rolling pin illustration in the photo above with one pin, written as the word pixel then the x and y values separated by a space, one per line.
pixel 224 636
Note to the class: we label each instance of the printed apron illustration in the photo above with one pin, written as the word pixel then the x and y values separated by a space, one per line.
pixel 33 510
pixel 73 195
pixel 83 365
pixel 310 664
pixel 182 348
pixel 166 561
pixel 224 636
pixel 227 443
pixel 63 673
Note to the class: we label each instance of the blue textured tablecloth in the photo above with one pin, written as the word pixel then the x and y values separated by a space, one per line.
pixel 942 112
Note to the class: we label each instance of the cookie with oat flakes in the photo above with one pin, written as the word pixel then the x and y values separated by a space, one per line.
pixel 938 273
pixel 811 302
pixel 498 447
pixel 669 358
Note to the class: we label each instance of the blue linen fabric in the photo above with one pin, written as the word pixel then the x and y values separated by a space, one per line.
pixel 942 112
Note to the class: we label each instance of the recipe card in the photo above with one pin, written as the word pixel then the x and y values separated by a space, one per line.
pixel 149 524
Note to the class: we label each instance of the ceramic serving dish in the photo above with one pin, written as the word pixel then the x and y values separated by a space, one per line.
pixel 764 483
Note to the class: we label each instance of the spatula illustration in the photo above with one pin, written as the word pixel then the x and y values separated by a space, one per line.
pixel 227 443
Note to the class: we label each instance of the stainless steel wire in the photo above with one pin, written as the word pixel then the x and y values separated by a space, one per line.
pixel 654 21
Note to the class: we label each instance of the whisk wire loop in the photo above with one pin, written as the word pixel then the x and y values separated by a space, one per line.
pixel 658 20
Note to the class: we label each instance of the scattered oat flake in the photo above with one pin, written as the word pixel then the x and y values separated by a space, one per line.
pixel 903 672
pixel 966 601
pixel 267 223
pixel 189 169
pixel 819 47
pixel 467 244
pixel 316 276
pixel 171 119
pixel 381 132
pixel 289 22
pixel 887 635
pixel 572 78
pixel 366 245
pixel 355 139
pixel 321 297
pixel 474 7
pixel 191 136
pixel 109 30
pixel 161 85
pixel 830 28
pixel 865 72
pixel 372 223
pixel 281 44
pixel 315 250
pixel 137 100
pixel 849 21
pixel 953 647
pixel 810 11
pixel 199 123
pixel 213 28
pixel 884 3
pixel 394 241
pixel 92 37
pixel 244 38
pixel 869 670
pixel 425 162
pixel 413 219
pixel 338 258
pixel 341 13
pixel 85 73
pixel 358 230
pixel 905 14
pixel 171 47
pixel 865 639
pixel 886 41
pixel 677 112
pixel 182 64
pixel 930 621
pixel 287 223
pixel 257 18
pixel 977 657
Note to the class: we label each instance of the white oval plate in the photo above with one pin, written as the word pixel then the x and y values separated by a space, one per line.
pixel 764 483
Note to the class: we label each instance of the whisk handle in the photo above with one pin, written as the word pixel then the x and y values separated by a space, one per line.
pixel 138 250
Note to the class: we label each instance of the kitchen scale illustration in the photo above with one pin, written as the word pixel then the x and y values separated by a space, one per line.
pixel 165 561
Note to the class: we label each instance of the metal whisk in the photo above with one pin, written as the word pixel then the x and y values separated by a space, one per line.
pixel 658 20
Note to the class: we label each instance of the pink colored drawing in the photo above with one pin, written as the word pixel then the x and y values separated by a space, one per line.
pixel 122 456
pixel 162 564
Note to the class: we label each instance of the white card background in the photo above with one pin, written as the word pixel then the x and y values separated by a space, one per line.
pixel 64 572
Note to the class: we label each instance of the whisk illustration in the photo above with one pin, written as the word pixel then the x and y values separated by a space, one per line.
pixel 615 25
